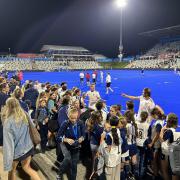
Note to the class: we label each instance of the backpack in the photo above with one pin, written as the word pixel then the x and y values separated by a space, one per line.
pixel 174 157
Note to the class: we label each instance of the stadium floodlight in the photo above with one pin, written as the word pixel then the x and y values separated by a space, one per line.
pixel 121 3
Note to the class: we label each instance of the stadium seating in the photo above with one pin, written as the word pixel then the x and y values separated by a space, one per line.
pixel 21 64
pixel 162 55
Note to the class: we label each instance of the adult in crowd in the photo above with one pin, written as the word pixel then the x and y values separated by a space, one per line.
pixel 63 110
pixel 93 96
pixel 18 94
pixel 146 102
pixel 31 94
pixel 70 136
pixel 18 146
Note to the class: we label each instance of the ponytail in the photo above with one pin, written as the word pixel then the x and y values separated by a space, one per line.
pixel 114 121
pixel 115 136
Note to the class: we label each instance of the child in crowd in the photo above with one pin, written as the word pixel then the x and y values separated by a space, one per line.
pixel 168 136
pixel 125 168
pixel 132 134
pixel 113 150
pixel 95 129
pixel 142 127
pixel 153 134
pixel 41 117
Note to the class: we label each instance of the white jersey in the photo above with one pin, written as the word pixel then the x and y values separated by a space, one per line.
pixel 145 105
pixel 108 79
pixel 113 158
pixel 142 133
pixel 131 135
pixel 94 76
pixel 94 96
pixel 81 75
pixel 165 146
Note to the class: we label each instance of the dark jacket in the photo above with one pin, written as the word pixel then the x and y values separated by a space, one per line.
pixel 32 95
pixel 62 114
pixel 24 105
pixel 66 131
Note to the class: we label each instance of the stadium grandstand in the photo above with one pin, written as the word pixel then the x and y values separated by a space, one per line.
pixel 165 54
pixel 73 57
pixel 51 58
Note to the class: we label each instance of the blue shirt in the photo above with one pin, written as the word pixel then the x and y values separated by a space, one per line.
pixel 168 135
pixel 125 146
pixel 95 135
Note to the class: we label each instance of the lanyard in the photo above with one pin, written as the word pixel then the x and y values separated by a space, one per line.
pixel 75 131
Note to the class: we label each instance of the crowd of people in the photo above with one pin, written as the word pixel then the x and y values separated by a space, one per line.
pixel 126 145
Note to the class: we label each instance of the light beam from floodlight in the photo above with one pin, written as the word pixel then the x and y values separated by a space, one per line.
pixel 121 3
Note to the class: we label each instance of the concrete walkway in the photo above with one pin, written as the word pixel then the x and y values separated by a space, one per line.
pixel 20 173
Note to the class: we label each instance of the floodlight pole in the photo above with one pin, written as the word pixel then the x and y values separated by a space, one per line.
pixel 121 35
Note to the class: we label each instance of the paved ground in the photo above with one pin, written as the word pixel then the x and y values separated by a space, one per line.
pixel 48 165
pixel 20 173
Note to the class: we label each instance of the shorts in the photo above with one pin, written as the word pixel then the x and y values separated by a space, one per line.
pixel 164 157
pixel 108 84
pixel 132 150
pixel 25 156
pixel 81 79
pixel 94 80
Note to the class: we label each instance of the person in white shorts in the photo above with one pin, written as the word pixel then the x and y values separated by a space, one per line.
pixel 81 75
pixel 108 83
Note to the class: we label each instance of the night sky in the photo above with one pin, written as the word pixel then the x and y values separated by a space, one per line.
pixel 25 25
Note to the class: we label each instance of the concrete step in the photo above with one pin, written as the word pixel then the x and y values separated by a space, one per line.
pixel 49 166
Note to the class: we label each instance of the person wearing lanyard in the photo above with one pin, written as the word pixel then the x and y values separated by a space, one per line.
pixel 70 136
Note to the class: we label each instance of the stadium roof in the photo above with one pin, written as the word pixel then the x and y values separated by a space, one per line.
pixel 163 32
pixel 62 48
pixel 100 56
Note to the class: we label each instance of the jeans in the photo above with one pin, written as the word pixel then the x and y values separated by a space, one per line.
pixel 43 133
pixel 71 158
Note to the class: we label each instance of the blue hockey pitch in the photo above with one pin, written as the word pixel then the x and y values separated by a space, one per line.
pixel 165 85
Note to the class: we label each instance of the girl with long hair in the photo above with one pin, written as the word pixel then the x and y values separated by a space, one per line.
pixel 113 150
pixel 168 135
pixel 132 133
pixel 95 129
pixel 18 146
